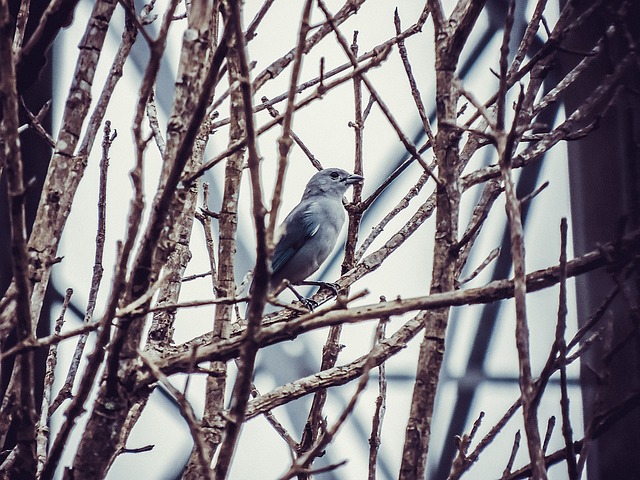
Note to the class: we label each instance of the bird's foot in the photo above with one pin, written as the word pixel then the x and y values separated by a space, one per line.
pixel 334 287
pixel 309 304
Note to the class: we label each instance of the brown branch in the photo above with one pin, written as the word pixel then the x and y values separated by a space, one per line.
pixel 249 349
pixel 551 423
pixel 402 205
pixel 463 463
pixel 65 169
pixel 222 279
pixel 186 410
pixel 462 443
pixel 152 115
pixel 76 407
pixel 253 26
pixel 383 107
pixel 277 426
pixel 373 53
pixel 96 278
pixel 349 8
pixel 241 143
pixel 493 254
pixel 412 81
pixel 331 348
pixel 82 462
pixel 528 38
pixel 285 140
pixel 496 290
pixel 512 457
pixel 21 24
pixel 42 432
pixel 504 144
pixel 275 114
pixel 561 347
pixel 35 121
pixel 22 377
pixel 381 404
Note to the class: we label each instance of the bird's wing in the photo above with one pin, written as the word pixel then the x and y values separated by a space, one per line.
pixel 299 226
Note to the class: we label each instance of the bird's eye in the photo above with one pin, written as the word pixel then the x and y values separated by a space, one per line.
pixel 334 175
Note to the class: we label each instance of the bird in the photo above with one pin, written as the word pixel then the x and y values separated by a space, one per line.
pixel 310 231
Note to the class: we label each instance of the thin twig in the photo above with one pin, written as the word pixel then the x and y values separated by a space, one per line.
pixel 42 432
pixel 567 431
pixel 381 403
pixel 493 254
pixel 186 410
pixel 551 423
pixel 312 158
pixel 383 107
pixel 412 81
pixel 35 122
pixel 98 270
pixel 402 205
pixel 512 457
pixel 242 387
pixel 285 141
pixel 152 115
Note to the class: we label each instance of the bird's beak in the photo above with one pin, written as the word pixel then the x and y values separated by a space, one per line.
pixel 353 179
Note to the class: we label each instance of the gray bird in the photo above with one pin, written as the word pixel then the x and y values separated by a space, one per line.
pixel 308 234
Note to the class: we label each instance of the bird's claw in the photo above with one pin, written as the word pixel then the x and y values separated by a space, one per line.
pixel 334 287
pixel 309 304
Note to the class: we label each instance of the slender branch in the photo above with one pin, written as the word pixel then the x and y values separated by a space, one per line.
pixel 42 435
pixel 98 270
pixel 385 110
pixel 242 387
pixel 22 378
pixel 285 140
pixel 381 404
pixel 186 410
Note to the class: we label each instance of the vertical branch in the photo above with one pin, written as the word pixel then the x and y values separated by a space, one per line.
pixel 25 463
pixel 528 37
pixel 381 404
pixel 42 438
pixel 212 423
pixel 66 170
pixel 242 387
pixel 355 212
pixel 448 45
pixel 21 26
pixel 504 57
pixel 223 280
pixel 85 463
pixel 504 144
pixel 186 410
pixel 512 457
pixel 417 98
pixel 331 348
pixel 562 356
pixel 96 278
pixel 285 141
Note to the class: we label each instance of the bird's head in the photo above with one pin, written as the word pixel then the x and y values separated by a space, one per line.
pixel 331 181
